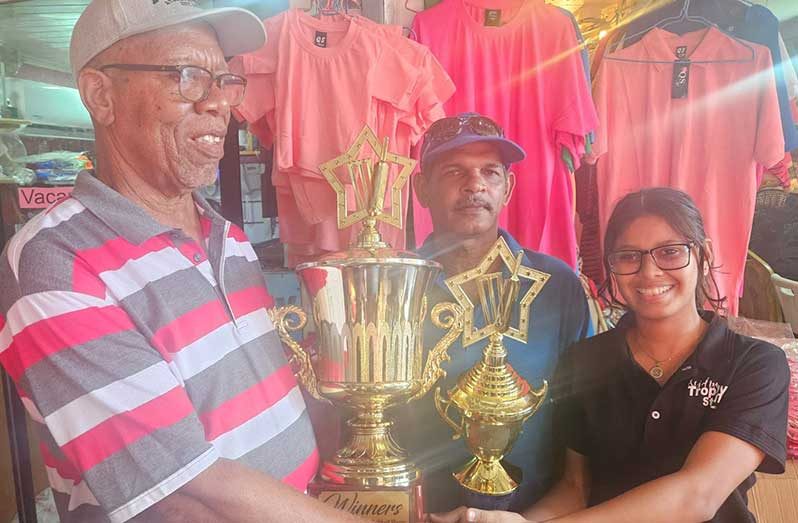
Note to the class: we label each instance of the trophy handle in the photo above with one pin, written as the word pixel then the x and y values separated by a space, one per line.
pixel 540 394
pixel 444 315
pixel 287 319
pixel 443 411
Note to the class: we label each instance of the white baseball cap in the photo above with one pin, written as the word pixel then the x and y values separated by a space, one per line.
pixel 105 22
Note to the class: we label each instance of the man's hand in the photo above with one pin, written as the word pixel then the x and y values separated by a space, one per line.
pixel 473 515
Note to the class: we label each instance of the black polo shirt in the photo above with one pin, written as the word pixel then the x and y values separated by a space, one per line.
pixel 632 430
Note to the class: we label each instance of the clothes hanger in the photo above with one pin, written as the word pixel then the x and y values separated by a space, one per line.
pixel 330 8
pixel 414 11
pixel 724 8
pixel 685 16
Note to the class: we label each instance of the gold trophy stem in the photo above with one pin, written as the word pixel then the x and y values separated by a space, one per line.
pixel 371 456
pixel 495 353
pixel 484 476
pixel 373 200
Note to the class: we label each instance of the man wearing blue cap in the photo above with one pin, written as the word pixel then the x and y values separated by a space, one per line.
pixel 465 182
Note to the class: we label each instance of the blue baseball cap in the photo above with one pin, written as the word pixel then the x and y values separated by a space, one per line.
pixel 448 134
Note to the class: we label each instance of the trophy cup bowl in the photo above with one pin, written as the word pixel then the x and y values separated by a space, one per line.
pixel 369 316
pixel 493 403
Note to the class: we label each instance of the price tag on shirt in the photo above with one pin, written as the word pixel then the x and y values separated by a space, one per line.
pixel 493 17
pixel 681 74
pixel 320 40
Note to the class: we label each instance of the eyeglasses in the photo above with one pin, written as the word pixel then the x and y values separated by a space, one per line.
pixel 447 128
pixel 671 257
pixel 195 82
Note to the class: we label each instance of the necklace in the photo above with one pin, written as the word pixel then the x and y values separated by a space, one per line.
pixel 657 371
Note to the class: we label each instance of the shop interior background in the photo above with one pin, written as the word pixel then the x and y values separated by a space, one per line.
pixel 36 86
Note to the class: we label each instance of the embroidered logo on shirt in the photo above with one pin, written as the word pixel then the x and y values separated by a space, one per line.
pixel 710 391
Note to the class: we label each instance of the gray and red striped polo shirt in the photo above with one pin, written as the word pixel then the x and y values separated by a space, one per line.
pixel 143 358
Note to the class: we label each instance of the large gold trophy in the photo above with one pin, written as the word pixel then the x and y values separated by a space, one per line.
pixel 368 306
pixel 492 400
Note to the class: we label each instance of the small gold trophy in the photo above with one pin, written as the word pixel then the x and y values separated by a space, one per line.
pixel 492 399
pixel 368 305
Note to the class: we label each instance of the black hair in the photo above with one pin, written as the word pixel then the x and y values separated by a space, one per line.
pixel 680 212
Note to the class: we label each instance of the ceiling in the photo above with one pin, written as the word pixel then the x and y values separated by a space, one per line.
pixel 40 29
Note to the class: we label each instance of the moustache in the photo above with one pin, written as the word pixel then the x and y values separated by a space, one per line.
pixel 473 201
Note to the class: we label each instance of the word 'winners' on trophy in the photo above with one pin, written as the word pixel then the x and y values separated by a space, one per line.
pixel 493 402
pixel 368 308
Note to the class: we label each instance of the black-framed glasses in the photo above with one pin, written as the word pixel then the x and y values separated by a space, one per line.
pixel 447 128
pixel 670 257
pixel 195 82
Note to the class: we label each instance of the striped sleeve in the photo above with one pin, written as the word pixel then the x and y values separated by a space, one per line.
pixel 118 415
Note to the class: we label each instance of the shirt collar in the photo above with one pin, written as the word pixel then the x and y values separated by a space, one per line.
pixel 124 217
pixel 711 350
pixel 713 45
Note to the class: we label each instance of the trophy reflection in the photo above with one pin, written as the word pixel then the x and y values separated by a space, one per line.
pixel 492 401
pixel 369 308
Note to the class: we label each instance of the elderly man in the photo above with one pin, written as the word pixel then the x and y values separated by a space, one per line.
pixel 133 317
pixel 465 182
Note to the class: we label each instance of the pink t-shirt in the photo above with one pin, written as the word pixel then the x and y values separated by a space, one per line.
pixel 527 75
pixel 311 89
pixel 707 144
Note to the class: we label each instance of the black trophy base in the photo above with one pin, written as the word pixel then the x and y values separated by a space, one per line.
pixel 378 504
pixel 480 500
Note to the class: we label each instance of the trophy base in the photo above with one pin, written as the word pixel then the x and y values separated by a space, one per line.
pixel 490 500
pixel 402 504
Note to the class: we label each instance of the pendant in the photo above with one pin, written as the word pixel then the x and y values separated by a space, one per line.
pixel 656 372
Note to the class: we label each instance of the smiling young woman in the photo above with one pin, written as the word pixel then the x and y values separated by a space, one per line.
pixel 667 416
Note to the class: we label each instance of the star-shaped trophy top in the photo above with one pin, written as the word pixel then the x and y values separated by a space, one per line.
pixel 368 173
pixel 510 264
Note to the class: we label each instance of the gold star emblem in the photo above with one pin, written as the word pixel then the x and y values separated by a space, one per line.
pixel 457 284
pixel 359 163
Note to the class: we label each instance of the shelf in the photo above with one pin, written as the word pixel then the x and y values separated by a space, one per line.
pixel 58 132
pixel 12 124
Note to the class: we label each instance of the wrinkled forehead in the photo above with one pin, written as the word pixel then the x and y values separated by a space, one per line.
pixel 195 42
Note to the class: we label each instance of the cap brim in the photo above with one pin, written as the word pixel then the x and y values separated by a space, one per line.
pixel 238 30
pixel 510 151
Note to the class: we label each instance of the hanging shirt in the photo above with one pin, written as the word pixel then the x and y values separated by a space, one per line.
pixel 526 74
pixel 756 24
pixel 708 143
pixel 584 54
pixel 312 88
